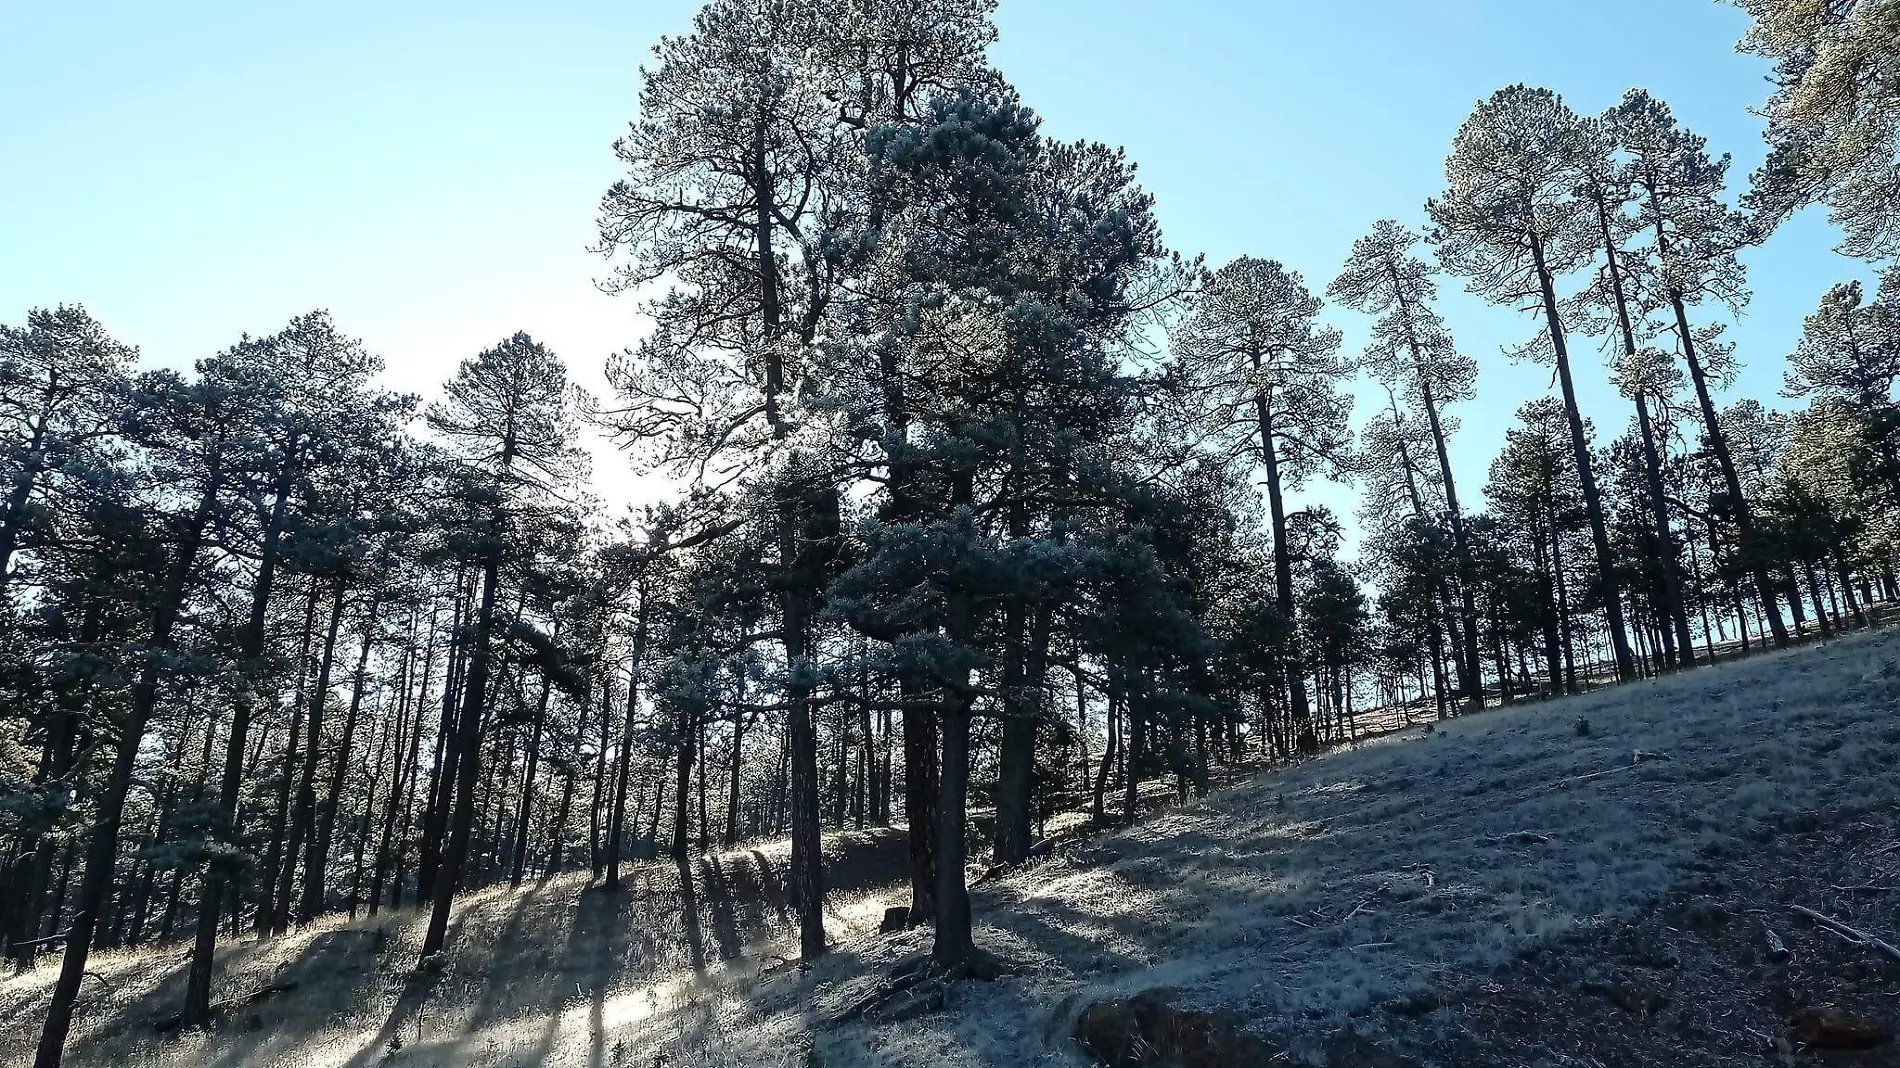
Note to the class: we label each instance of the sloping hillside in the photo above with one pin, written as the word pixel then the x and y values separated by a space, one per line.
pixel 1427 891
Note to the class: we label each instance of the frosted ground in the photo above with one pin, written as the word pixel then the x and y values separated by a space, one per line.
pixel 1299 899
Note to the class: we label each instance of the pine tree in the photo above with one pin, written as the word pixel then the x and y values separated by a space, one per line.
pixel 192 428
pixel 1694 239
pixel 1832 132
pixel 1508 222
pixel 1253 360
pixel 1603 184
pixel 733 190
pixel 1533 490
pixel 61 383
pixel 506 420
pixel 1413 352
pixel 1850 353
pixel 305 391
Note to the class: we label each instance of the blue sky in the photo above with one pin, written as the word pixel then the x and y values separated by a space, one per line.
pixel 429 171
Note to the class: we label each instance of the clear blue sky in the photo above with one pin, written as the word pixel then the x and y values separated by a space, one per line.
pixel 429 171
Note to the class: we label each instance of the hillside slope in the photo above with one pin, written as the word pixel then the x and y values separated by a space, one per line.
pixel 1425 890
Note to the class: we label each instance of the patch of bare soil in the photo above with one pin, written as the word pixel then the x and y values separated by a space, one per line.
pixel 1727 971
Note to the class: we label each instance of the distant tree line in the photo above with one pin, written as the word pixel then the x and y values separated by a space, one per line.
pixel 986 500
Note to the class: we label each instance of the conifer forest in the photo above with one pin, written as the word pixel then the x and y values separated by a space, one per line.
pixel 986 511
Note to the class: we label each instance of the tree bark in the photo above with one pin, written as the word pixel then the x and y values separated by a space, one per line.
pixel 954 947
pixel 921 791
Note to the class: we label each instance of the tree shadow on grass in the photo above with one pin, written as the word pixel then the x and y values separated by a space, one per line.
pixel 592 957
pixel 499 998
pixel 339 967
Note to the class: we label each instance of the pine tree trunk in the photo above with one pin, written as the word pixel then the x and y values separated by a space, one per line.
pixel 1669 585
pixel 953 947
pixel 1282 560
pixel 735 769
pixel 317 862
pixel 557 836
pixel 921 791
pixel 466 748
pixel 623 758
pixel 1110 742
pixel 1470 677
pixel 603 788
pixel 1847 590
pixel 1718 443
pixel 394 849
pixel 442 766
pixel 1791 592
pixel 807 876
pixel 527 786
pixel 1669 567
pixel 1017 756
pixel 266 920
pixel 363 820
pixel 1135 755
pixel 304 815
pixel 1580 446
pixel 683 756
pixel 1820 606
pixel 886 746
pixel 198 972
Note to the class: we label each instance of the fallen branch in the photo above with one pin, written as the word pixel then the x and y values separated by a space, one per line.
pixel 1527 837
pixel 1358 907
pixel 1561 783
pixel 32 944
pixel 1637 759
pixel 1851 934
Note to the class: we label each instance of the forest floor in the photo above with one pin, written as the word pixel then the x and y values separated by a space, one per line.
pixel 1607 880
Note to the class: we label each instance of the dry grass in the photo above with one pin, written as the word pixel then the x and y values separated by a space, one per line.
pixel 1298 898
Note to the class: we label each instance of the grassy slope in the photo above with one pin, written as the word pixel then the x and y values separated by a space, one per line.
pixel 1299 898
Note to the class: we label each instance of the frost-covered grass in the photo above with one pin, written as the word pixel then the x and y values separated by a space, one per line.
pixel 1297 898
pixel 552 974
